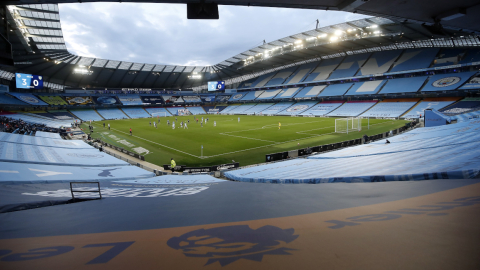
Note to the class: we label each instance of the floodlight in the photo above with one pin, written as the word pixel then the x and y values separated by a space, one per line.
pixel 333 38
pixel 338 32
pixel 322 36
pixel 298 42
pixel 373 26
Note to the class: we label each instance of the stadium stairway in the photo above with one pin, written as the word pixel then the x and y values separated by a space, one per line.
pixel 121 109
pixel 413 107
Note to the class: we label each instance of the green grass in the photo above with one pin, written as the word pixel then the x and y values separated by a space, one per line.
pixel 246 142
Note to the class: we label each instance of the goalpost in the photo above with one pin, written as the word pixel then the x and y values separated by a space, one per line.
pixel 160 114
pixel 345 125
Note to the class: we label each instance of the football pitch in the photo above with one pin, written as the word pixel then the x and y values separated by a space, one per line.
pixel 246 141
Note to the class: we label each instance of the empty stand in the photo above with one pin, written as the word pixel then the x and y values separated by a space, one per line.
pixel 130 100
pixel 379 62
pixel 366 88
pixel 87 115
pixel 262 80
pixel 7 100
pixel 350 65
pixel 241 109
pixel 154 112
pixel 353 108
pixel 277 108
pixel 137 112
pixel 252 95
pixel 237 96
pixel 463 106
pixel 336 90
pixel 404 85
pixel 111 113
pixel 413 59
pixel 444 82
pixel 390 108
pixel 324 69
pixel 281 76
pixel 301 73
pixel 258 108
pixel 196 110
pixel 322 108
pixel 310 91
pixel 419 109
pixel 448 57
pixel 298 108
pixel 268 94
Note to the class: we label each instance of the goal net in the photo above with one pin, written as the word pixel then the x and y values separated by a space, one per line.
pixel 345 125
pixel 158 114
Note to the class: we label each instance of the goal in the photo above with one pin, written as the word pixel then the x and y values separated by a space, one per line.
pixel 158 114
pixel 345 125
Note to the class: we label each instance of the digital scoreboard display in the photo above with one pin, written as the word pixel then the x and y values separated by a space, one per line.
pixel 216 86
pixel 29 81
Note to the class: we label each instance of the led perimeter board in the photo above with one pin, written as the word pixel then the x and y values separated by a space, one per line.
pixel 29 81
pixel 216 86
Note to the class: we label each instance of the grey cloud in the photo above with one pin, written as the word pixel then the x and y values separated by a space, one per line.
pixel 131 33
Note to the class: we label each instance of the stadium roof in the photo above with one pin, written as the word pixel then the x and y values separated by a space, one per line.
pixel 40 49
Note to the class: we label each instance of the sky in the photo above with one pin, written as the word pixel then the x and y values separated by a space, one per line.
pixel 161 33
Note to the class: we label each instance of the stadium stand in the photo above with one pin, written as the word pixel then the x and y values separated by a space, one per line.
pixel 413 59
pixel 444 156
pixel 41 120
pixel 287 93
pixel 111 113
pixel 404 85
pixel 379 62
pixel 366 88
pixel 444 82
pixel 191 99
pixel 28 98
pixel 87 115
pixel 262 80
pixel 390 108
pixel 174 110
pixel 222 98
pixel 322 108
pixel 251 95
pixel 281 76
pixel 472 84
pixel 130 100
pixel 428 103
pixel 310 91
pixel 158 112
pixel 277 108
pixel 301 73
pixel 61 114
pixel 463 106
pixel 237 96
pixel 298 108
pixel 268 94
pixel 196 110
pixel 349 66
pixel 229 108
pixel 353 108
pixel 242 108
pixel 466 116
pixel 57 136
pixel 448 57
pixel 473 55
pixel 324 69
pixel 336 89
pixel 7 100
pixel 43 139
pixel 135 112
pixel 258 108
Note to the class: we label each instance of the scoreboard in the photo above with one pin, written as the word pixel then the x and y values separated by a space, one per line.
pixel 216 86
pixel 29 81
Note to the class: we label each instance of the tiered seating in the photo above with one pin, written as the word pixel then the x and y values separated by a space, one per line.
pixel 448 57
pixel 228 109
pixel 390 108
pixel 419 109
pixel 237 96
pixel 191 99
pixel 111 113
pixel 404 85
pixel 444 82
pixel 464 106
pixel 252 95
pixel 130 100
pixel 336 89
pixel 349 66
pixel 366 88
pixel 196 110
pixel 473 55
pixel 138 112
pixel 281 76
pixel 379 62
pixel 322 108
pixel 277 108
pixel 158 112
pixel 4 99
pixel 287 93
pixel 353 108
pixel 31 118
pixel 174 110
pixel 29 98
pixel 466 116
pixel 310 91
pixel 258 108
pixel 269 94
pixel 443 152
pixel 301 73
pixel 53 100
pixel 413 59
pixel 298 108
pixel 87 115
pixel 323 71
pixel 61 114
pixel 262 80
pixel 241 109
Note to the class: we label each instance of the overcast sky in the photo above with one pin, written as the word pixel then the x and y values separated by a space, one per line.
pixel 161 33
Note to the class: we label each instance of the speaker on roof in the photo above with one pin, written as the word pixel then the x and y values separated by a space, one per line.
pixel 202 11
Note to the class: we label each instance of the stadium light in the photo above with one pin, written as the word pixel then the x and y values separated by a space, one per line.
pixel 373 26
pixel 322 36
pixel 298 41
pixel 333 38
pixel 338 32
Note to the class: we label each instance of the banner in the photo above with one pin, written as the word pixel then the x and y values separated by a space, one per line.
pixel 223 98
pixel 473 83
pixel 53 100
pixel 130 100
pixel 106 100
pixel 172 99
pixel 191 99
pixel 79 100
pixel 152 100
pixel 210 98
pixel 28 98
